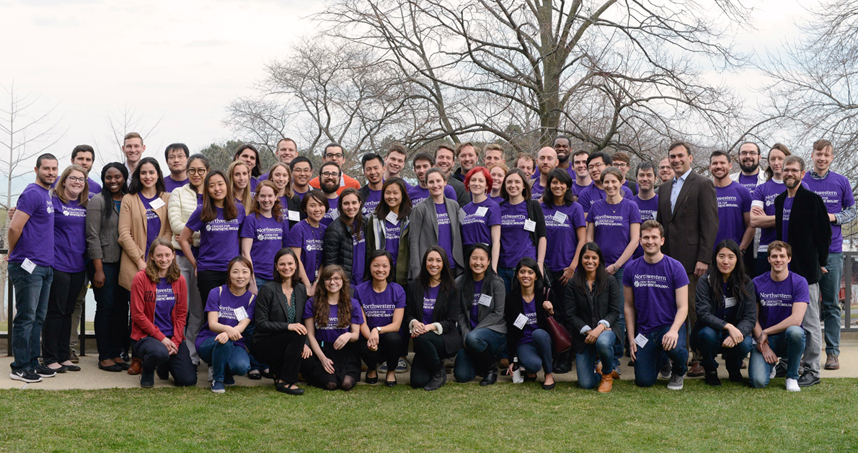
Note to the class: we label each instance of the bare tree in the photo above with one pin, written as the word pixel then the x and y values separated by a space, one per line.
pixel 120 123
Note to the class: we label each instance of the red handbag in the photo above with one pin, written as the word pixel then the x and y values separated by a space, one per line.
pixel 559 335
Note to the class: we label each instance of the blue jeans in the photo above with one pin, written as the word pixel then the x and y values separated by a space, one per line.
pixel 829 286
pixel 225 359
pixel 536 354
pixel 260 282
pixel 762 263
pixel 789 344
pixel 31 304
pixel 648 358
pixel 585 361
pixel 619 327
pixel 507 274
pixel 709 342
pixel 482 346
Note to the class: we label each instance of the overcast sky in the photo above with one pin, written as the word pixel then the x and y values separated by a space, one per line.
pixel 184 61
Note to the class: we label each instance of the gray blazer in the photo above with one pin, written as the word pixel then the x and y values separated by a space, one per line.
pixel 424 233
pixel 102 236
pixel 491 317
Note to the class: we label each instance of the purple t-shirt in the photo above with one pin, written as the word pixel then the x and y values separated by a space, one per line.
pixel 536 190
pixel 750 182
pixel 475 304
pixel 654 287
pixel 515 240
pixel 764 196
pixel 591 194
pixel 648 210
pixel 391 239
pixel 787 210
pixel 227 305
pixel 309 239
pixel 561 225
pixel 498 199
pixel 371 202
pixel 218 239
pixel 331 332
pixel 268 238
pixel 35 243
pixel 531 325
pixel 171 184
pixel 299 194
pixel 153 222
pixel 776 298
pixel 253 183
pixel 445 232
pixel 733 202
pixel 576 188
pixel 836 192
pixel 165 300
pixel 476 229
pixel 94 187
pixel 69 236
pixel 333 213
pixel 417 194
pixel 612 224
pixel 429 300
pixel 358 258
pixel 379 307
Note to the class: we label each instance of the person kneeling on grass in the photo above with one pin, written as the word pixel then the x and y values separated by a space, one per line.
pixel 782 297
pixel 333 321
pixel 656 295
pixel 726 313
pixel 526 310
pixel 229 310
pixel 159 305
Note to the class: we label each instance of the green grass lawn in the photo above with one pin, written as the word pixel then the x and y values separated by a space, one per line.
pixel 502 417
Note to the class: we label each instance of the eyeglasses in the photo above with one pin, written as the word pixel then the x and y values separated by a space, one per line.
pixel 335 278
pixel 333 155
pixel 76 179
pixel 330 174
pixel 194 171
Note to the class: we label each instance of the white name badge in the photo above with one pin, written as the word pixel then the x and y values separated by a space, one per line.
pixel 392 218
pixel 529 225
pixel 28 265
pixel 485 299
pixel 520 321
pixel 729 302
pixel 481 211
pixel 294 216
pixel 156 204
pixel 335 214
pixel 641 340
pixel 240 314
pixel 560 217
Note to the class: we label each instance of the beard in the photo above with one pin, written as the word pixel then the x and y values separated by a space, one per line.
pixel 791 182
pixel 748 168
pixel 562 160
pixel 329 187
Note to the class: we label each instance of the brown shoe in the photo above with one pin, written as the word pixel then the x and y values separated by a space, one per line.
pixel 614 374
pixel 832 363
pixel 136 366
pixel 606 384
pixel 696 370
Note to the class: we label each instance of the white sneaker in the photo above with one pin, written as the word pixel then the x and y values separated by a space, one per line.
pixel 211 377
pixel 792 385
pixel 675 382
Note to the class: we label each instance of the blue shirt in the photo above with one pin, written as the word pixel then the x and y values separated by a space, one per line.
pixel 677 186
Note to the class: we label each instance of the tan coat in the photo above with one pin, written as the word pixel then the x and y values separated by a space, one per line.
pixel 132 234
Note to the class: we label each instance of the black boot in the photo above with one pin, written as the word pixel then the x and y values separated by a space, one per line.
pixel 490 377
pixel 711 378
pixel 439 377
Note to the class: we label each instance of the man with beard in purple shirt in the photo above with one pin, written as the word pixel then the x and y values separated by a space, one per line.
pixel 546 160
pixel 734 203
pixel 750 176
pixel 329 182
pixel 646 199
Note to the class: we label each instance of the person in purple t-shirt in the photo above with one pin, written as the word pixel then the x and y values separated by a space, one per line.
pixel 647 198
pixel 481 224
pixel 422 162
pixel 333 320
pixel 176 156
pixel 263 233
pixel 383 305
pixel 69 205
pixel 238 174
pixel 302 173
pixel 329 184
pixel 782 302
pixel 305 239
pixel 229 310
pixel 734 203
pixel 370 193
pixel 582 174
pixel 344 243
pixel 218 220
pixel 763 205
pixel 249 155
pixel 596 163
pixel 388 224
pixel 656 305
pixel 498 173
pixel 281 176
pixel 522 227
pixel 546 161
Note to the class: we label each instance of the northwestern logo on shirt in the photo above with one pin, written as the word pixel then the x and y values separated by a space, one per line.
pixel 609 220
pixel 513 219
pixel 770 199
pixel 378 310
pixel 269 234
pixel 74 212
pixel 332 324
pixel 223 225
pixel 150 214
pixel 648 215
pixel 775 300
pixel 443 219
pixel 164 294
pixel 226 313
pixel 652 281
pixel 728 201
pixel 311 245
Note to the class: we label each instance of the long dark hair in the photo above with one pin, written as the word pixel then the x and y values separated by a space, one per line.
pixel 525 191
pixel 382 210
pixel 737 279
pixel 564 178
pixel 254 172
pixel 447 283
pixel 356 228
pixel 137 185
pixel 209 210
pixel 296 278
pixel 105 192
pixel 320 299
pixel 529 263
pixel 580 277
pixel 467 286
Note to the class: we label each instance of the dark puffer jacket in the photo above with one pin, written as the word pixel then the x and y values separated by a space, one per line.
pixel 338 246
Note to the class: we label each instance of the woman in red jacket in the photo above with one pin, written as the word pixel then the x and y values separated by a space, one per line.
pixel 159 306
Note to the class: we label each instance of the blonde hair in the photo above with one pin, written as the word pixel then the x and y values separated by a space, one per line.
pixel 246 198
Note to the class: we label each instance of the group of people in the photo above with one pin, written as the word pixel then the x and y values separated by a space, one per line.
pixel 281 274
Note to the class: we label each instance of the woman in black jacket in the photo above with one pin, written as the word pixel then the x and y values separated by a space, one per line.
pixel 726 313
pixel 431 312
pixel 592 307
pixel 528 340
pixel 345 240
pixel 280 338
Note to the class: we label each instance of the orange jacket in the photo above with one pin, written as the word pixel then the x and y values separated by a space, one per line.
pixel 143 309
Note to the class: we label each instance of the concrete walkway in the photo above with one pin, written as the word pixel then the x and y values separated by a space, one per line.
pixel 91 378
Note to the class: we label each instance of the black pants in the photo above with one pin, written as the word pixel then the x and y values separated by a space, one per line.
pixel 111 313
pixel 346 363
pixel 154 355
pixel 390 346
pixel 429 350
pixel 57 327
pixel 209 280
pixel 282 352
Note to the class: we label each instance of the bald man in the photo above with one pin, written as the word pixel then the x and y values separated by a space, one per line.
pixel 546 160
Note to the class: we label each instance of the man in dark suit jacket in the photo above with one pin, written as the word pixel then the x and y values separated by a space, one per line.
pixel 688 210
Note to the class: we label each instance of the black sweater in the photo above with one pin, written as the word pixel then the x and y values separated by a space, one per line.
pixel 446 313
pixel 514 307
pixel 744 319
pixel 809 233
